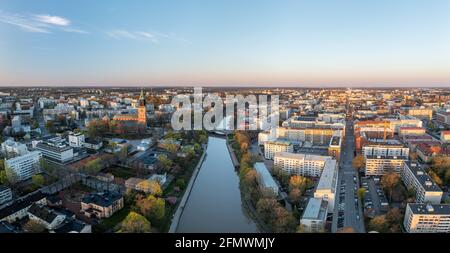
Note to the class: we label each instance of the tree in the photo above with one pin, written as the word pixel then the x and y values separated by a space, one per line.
pixel 389 182
pixel 123 154
pixel 165 162
pixel 135 223
pixel 284 222
pixel 33 226
pixel 361 192
pixel 151 207
pixel 394 216
pixel 295 195
pixel 38 180
pixel 47 167
pixel 435 178
pixel 299 182
pixel 347 230
pixel 180 183
pixel 413 156
pixel 3 177
pixel 151 186
pixel 93 166
pixel 379 224
pixel 265 207
pixel 197 148
pixel 11 175
pixel 358 162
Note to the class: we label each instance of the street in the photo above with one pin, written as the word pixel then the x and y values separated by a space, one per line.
pixel 348 206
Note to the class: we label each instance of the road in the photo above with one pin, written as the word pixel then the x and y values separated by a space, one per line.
pixel 346 179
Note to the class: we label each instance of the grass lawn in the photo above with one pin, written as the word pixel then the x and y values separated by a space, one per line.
pixel 121 172
pixel 111 222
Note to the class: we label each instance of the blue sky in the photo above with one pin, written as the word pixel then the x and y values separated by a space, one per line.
pixel 212 42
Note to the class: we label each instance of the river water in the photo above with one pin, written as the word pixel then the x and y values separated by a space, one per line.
pixel 214 204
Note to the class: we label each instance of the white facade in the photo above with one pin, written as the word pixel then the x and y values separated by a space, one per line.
pixel 76 140
pixel 426 218
pixel 24 166
pixel 10 147
pixel 265 178
pixel 272 147
pixel 5 194
pixel 300 164
pixel 315 216
pixel 417 179
pixel 385 150
pixel 55 149
pixel 326 188
pixel 380 165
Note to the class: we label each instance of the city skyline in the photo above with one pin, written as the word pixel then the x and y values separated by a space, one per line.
pixel 232 43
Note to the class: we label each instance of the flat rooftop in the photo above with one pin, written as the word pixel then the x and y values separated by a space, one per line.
pixel 424 179
pixel 329 175
pixel 265 175
pixel 442 209
pixel 316 209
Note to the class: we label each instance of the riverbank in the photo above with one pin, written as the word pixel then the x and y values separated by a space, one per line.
pixel 177 215
pixel 248 206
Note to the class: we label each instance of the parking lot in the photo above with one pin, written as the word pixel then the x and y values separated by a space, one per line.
pixel 375 201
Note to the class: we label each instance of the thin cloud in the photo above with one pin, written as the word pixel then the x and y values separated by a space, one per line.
pixel 52 20
pixel 74 30
pixel 42 23
pixel 154 37
pixel 132 35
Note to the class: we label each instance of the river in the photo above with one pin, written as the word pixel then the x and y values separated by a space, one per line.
pixel 214 204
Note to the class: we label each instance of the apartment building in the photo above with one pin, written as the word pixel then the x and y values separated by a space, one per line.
pixel 5 194
pixel 421 113
pixel 265 178
pixel 380 165
pixel 315 215
pixel 414 177
pixel 102 204
pixel 411 131
pixel 55 149
pixel 23 167
pixel 272 147
pixel 301 164
pixel 385 149
pixel 427 218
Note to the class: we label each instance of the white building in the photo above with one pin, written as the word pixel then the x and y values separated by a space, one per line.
pixel 5 194
pixel 414 177
pixel 272 147
pixel 301 164
pixel 315 216
pixel 385 150
pixel 10 148
pixel 265 178
pixel 55 149
pixel 76 140
pixel 326 188
pixel 427 218
pixel 380 165
pixel 25 166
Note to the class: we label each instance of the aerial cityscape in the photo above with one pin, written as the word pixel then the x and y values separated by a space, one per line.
pixel 225 117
